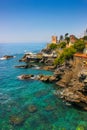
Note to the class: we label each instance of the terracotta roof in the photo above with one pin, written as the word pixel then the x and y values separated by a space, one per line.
pixel 81 55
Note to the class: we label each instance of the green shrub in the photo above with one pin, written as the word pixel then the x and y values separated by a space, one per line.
pixel 66 55
pixel 53 46
pixel 62 44
pixel 79 46
pixel 85 37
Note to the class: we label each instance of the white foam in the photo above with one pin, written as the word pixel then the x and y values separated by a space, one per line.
pixel 2 58
pixel 19 77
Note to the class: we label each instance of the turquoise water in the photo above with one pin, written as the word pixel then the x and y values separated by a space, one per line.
pixel 16 96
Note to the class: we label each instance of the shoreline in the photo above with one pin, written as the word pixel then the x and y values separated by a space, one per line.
pixel 66 76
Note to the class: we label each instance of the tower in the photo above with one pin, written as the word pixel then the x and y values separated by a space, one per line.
pixel 54 39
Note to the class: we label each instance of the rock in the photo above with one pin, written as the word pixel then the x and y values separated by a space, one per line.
pixel 58 73
pixel 32 108
pixel 6 57
pixel 75 95
pixel 16 120
pixel 29 58
pixel 25 66
pixel 46 50
pixel 60 84
pixel 48 67
pixel 22 66
pixel 49 108
pixel 47 78
pixel 52 79
pixel 49 61
pixel 26 77
pixel 44 78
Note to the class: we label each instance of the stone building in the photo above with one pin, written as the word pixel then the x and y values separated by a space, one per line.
pixel 72 40
pixel 54 39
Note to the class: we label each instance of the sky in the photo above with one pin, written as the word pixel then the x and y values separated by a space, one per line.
pixel 38 20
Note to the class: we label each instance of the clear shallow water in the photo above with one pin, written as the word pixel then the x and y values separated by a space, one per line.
pixel 17 95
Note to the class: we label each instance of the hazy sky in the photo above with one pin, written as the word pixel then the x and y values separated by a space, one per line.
pixel 37 20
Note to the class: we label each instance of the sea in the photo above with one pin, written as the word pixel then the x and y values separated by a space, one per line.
pixel 18 96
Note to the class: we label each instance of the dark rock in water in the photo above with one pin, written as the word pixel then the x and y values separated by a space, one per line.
pixel 22 66
pixel 25 66
pixel 16 120
pixel 32 108
pixel 7 57
pixel 26 77
pixel 49 108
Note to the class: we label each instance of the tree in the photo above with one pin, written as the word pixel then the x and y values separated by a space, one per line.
pixel 61 37
pixel 79 46
pixel 66 35
pixel 53 46
pixel 62 45
pixel 67 54
pixel 85 37
pixel 67 38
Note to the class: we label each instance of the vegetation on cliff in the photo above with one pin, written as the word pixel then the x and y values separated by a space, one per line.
pixel 67 53
pixel 79 46
pixel 53 46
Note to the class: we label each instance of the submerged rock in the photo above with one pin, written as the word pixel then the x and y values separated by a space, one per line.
pixel 49 108
pixel 16 120
pixel 41 93
pixel 32 108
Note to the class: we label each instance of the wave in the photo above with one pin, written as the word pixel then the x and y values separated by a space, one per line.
pixel 2 58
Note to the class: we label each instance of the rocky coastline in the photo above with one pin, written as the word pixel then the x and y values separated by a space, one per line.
pixel 70 76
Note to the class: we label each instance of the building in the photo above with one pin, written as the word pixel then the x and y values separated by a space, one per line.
pixel 73 39
pixel 80 59
pixel 54 39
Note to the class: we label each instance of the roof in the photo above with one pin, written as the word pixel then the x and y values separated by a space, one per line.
pixel 81 55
